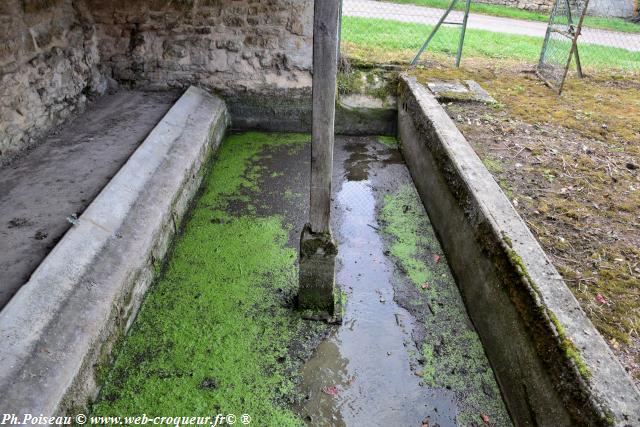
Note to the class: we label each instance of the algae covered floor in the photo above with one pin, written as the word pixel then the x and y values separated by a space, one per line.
pixel 219 334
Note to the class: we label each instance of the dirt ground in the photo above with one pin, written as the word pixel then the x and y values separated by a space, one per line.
pixel 63 173
pixel 570 167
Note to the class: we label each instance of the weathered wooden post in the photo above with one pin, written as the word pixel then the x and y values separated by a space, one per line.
pixel 317 248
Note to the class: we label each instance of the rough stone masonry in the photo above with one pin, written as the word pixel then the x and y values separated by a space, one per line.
pixel 55 53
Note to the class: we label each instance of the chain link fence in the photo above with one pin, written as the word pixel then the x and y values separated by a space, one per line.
pixel 560 42
pixel 610 37
pixel 392 31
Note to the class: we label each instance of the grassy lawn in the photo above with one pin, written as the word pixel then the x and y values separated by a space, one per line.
pixel 615 24
pixel 386 40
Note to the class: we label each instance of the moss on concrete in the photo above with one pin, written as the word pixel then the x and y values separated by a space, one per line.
pixel 452 353
pixel 377 83
pixel 567 346
pixel 389 141
pixel 213 334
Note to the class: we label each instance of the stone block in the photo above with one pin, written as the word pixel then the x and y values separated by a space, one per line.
pixel 317 272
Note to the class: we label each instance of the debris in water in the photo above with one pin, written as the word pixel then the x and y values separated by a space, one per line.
pixel 485 418
pixel 431 309
pixel 73 219
pixel 331 391
pixel 209 384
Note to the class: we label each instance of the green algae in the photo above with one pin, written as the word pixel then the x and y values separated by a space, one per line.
pixel 214 334
pixel 452 353
pixel 389 141
pixel 405 219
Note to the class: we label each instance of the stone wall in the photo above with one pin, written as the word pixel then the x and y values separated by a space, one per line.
pixel 617 8
pixel 534 5
pixel 55 52
pixel 48 63
pixel 609 8
pixel 224 45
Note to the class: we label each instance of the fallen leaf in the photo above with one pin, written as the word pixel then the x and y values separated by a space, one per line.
pixel 436 258
pixel 485 418
pixel 331 391
pixel 601 299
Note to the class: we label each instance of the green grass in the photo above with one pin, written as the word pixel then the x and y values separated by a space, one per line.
pixel 615 24
pixel 212 335
pixel 366 37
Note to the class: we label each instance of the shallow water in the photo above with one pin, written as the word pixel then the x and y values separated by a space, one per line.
pixel 368 358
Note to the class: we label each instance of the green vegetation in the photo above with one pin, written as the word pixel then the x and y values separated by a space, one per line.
pixel 566 345
pixel 376 83
pixel 380 40
pixel 405 224
pixel 389 141
pixel 493 164
pixel 615 24
pixel 452 353
pixel 214 334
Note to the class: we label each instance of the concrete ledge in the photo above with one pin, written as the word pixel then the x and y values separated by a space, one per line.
pixel 60 326
pixel 365 115
pixel 289 110
pixel 552 365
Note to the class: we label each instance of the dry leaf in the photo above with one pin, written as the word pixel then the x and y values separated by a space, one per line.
pixel 331 391
pixel 485 418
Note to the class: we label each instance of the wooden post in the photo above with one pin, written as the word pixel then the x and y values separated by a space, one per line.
pixel 325 67
pixel 317 248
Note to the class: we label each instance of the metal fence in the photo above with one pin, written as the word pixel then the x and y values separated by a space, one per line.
pixel 610 37
pixel 394 30
pixel 560 43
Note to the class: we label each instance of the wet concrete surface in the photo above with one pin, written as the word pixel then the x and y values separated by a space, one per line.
pixel 62 175
pixel 368 359
pixel 369 370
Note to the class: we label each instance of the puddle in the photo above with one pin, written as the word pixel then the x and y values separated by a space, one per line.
pixel 361 374
pixel 358 162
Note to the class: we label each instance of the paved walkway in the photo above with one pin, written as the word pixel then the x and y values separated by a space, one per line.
pixel 429 16
pixel 63 174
